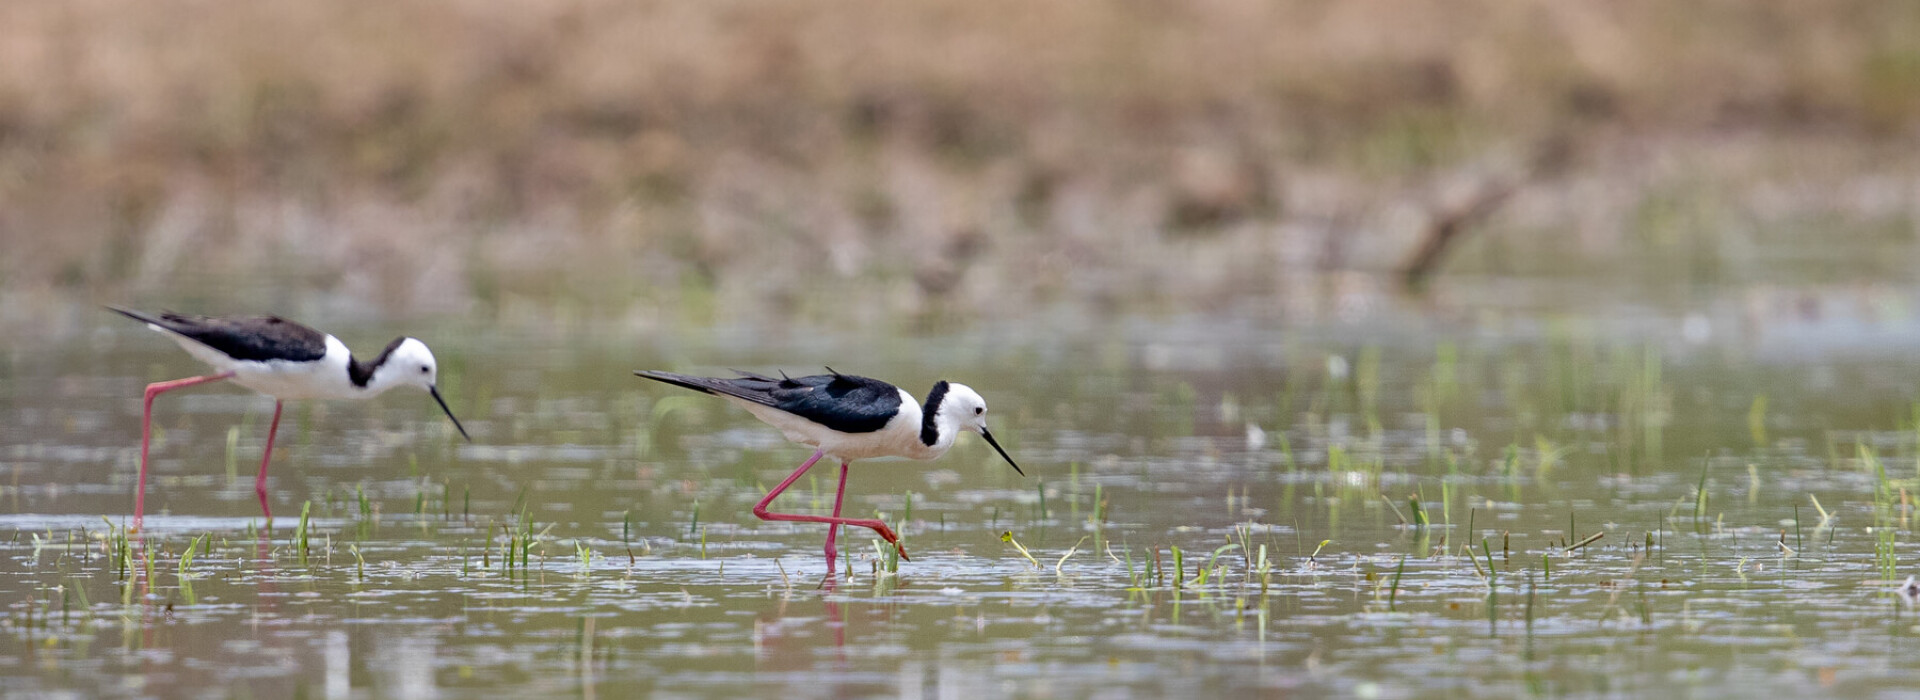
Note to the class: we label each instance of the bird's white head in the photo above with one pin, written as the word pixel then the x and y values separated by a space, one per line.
pixel 968 410
pixel 962 408
pixel 408 362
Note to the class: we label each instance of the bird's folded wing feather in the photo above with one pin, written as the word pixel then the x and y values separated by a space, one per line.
pixel 256 338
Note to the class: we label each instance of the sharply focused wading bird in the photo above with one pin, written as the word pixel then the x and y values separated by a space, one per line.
pixel 284 360
pixel 849 418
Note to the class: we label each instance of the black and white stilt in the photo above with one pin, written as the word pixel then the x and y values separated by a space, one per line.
pixel 284 360
pixel 849 418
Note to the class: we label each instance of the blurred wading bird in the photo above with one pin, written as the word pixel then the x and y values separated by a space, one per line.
pixel 849 418
pixel 284 360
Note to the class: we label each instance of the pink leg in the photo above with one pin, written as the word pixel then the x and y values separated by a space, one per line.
pixel 760 510
pixel 260 482
pixel 146 434
pixel 833 530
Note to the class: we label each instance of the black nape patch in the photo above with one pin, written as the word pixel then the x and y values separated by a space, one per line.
pixel 929 428
pixel 362 372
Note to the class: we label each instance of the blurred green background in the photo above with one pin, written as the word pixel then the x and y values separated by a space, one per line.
pixel 659 163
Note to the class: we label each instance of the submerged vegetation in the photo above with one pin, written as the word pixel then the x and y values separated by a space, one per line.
pixel 1334 504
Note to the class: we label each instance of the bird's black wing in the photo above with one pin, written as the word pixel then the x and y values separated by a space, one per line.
pixel 751 388
pixel 840 402
pixel 255 338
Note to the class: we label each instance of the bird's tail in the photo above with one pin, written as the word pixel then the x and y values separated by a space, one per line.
pixel 700 384
pixel 136 315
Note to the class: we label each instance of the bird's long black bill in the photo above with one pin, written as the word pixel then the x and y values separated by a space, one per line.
pixel 1003 453
pixel 443 406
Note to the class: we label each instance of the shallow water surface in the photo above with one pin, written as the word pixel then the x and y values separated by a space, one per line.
pixel 1524 505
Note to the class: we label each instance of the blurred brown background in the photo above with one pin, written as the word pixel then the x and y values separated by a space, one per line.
pixel 694 161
